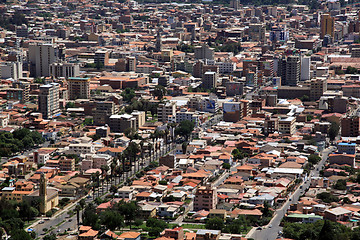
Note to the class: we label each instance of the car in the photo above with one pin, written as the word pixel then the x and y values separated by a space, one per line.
pixel 259 228
pixel 301 187
pixel 270 226
pixel 70 220
pixel 41 222
pixel 290 199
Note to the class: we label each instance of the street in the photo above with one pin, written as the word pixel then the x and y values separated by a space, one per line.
pixel 271 233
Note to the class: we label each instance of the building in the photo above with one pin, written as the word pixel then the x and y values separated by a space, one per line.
pixel 103 111
pixel 190 116
pixel 11 70
pixel 66 164
pixel 317 88
pixel 338 214
pixel 209 80
pixel 101 57
pixel 344 147
pixel 350 126
pixel 120 123
pixel 22 31
pixel 165 110
pixel 48 197
pixel 66 70
pixel 204 52
pixel 327 25
pixel 140 118
pixel 79 88
pixel 271 125
pixel 205 198
pixel 342 159
pixel 257 32
pixel 292 71
pixel 41 56
pixel 49 100
pixel 305 68
pixel 287 125
pixel 234 88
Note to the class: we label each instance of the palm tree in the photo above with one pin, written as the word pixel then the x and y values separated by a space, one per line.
pixel 113 167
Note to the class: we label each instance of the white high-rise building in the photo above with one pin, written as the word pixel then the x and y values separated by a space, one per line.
pixel 49 100
pixel 41 55
pixel 305 68
pixel 66 70
pixel 11 70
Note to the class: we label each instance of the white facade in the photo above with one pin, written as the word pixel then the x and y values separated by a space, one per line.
pixel 40 58
pixel 65 70
pixel 305 68
pixel 11 70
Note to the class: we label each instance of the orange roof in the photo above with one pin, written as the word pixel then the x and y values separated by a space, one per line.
pixel 129 235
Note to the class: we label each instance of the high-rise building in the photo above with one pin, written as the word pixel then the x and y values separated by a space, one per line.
pixel 158 43
pixel 165 110
pixel 205 198
pixel 79 88
pixel 289 70
pixel 327 24
pixel 257 32
pixel 350 126
pixel 22 31
pixel 305 68
pixel 317 88
pixel 49 100
pixel 104 110
pixel 41 55
pixel 66 70
pixel 11 70
pixel 209 80
pixel 101 57
pixel 204 52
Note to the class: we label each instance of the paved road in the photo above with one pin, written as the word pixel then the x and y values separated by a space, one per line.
pixel 271 233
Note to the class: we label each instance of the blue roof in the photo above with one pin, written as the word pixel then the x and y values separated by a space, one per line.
pixel 350 144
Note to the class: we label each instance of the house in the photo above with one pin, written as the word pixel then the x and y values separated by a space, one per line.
pixel 88 235
pixel 125 192
pixel 219 213
pixel 206 234
pixel 261 199
pixel 337 214
pixel 167 210
pixel 176 233
pixel 148 211
pixel 109 235
pixel 130 236
pixel 303 218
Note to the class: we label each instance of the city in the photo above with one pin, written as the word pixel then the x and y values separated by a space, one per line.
pixel 184 120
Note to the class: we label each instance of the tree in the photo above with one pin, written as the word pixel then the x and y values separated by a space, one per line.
pixel 128 94
pixel 113 189
pixel 90 218
pixel 185 128
pixel 340 184
pixel 112 219
pixel 19 234
pixel 327 197
pixel 314 159
pixel 130 211
pixel 155 226
pixel 333 130
pixel 159 92
pixel 351 70
pixel 215 223
pixel 50 236
pixel 226 165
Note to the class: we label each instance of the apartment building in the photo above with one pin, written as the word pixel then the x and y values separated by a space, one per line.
pixel 205 198
pixel 79 88
pixel 165 110
pixel 287 125
pixel 49 100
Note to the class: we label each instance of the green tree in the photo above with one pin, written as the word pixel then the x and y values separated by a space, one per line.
pixel 351 70
pixel 340 184
pixel 112 219
pixel 314 159
pixel 128 94
pixel 333 130
pixel 159 92
pixel 215 223
pixel 90 218
pixel 185 128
